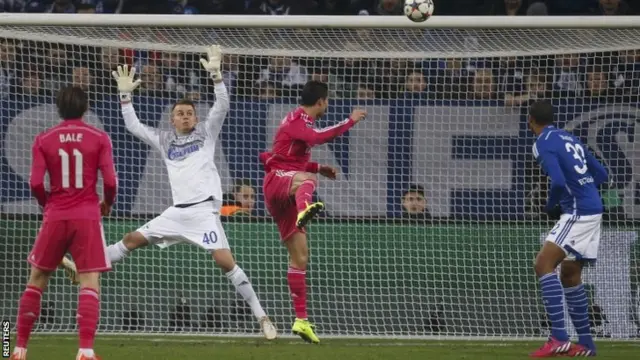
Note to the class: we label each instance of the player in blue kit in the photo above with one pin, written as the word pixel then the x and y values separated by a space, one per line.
pixel 573 242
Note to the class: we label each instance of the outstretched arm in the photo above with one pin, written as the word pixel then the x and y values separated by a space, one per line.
pixel 126 85
pixel 215 117
pixel 303 131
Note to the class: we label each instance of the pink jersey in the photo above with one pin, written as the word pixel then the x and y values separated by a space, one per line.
pixel 72 153
pixel 294 139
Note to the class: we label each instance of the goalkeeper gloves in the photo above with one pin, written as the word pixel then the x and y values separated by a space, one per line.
pixel 126 84
pixel 214 62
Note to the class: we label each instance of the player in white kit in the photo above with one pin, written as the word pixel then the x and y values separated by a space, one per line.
pixel 195 184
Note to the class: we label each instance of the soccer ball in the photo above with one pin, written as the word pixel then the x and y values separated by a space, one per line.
pixel 418 10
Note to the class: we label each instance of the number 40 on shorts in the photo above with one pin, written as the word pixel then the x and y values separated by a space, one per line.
pixel 210 238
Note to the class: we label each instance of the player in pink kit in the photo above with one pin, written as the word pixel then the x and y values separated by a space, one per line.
pixel 289 184
pixel 72 153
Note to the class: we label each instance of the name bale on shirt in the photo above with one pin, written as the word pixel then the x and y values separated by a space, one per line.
pixel 65 138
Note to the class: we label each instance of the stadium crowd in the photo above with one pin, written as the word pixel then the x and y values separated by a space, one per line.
pixel 325 7
pixel 38 69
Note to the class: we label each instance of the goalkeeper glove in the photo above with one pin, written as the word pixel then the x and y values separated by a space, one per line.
pixel 213 64
pixel 126 84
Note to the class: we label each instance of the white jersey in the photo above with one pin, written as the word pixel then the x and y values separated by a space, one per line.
pixel 189 158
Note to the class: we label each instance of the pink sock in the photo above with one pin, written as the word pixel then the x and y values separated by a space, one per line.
pixel 88 315
pixel 28 312
pixel 298 287
pixel 304 194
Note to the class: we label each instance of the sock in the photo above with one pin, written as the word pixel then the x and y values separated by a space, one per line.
pixel 298 287
pixel 578 304
pixel 304 194
pixel 86 352
pixel 88 315
pixel 28 312
pixel 553 298
pixel 240 280
pixel 116 252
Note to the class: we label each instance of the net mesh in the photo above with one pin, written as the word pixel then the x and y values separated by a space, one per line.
pixel 433 223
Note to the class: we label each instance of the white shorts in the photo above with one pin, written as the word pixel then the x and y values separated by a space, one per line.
pixel 578 236
pixel 198 224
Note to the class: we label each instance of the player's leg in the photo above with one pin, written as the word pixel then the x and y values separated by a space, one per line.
pixel 303 185
pixel 88 314
pixel 298 249
pixel 583 243
pixel 29 310
pixel 548 259
pixel 50 246
pixel 237 277
pixel 205 230
pixel 88 248
pixel 578 304
pixel 151 232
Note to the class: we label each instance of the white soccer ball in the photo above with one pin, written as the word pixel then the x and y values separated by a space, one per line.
pixel 418 10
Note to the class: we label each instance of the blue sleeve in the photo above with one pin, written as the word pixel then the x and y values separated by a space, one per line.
pixel 596 169
pixel 550 165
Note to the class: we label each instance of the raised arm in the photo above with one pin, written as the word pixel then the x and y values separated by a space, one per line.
pixel 126 86
pixel 38 170
pixel 219 110
pixel 300 130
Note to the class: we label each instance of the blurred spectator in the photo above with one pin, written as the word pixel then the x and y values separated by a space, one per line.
pixel 415 84
pixel 626 77
pixel 483 86
pixel 286 73
pixel 414 203
pixel 8 64
pixel 516 7
pixel 12 5
pixel 31 82
pixel 56 67
pixel 279 7
pixel 152 82
pixel 382 7
pixel 86 7
pixel 366 91
pixel 105 62
pixel 612 7
pixel 267 90
pixel 81 77
pixel 597 81
pixel 567 78
pixel 241 201
pixel 511 79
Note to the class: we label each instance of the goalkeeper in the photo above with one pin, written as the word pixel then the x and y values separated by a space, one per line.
pixel 195 183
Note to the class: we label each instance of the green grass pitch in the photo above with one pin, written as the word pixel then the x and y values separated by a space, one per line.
pixel 133 347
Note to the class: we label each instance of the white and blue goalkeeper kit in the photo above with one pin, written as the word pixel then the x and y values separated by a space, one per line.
pixel 575 175
pixel 194 178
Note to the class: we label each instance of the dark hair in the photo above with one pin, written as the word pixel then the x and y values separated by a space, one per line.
pixel 72 102
pixel 542 112
pixel 312 92
pixel 184 102
pixel 414 188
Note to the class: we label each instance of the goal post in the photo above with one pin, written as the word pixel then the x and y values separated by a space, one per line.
pixel 434 221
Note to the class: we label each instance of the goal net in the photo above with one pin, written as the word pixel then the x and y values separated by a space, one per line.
pixel 434 221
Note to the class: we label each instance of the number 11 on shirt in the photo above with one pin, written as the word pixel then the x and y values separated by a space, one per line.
pixel 64 158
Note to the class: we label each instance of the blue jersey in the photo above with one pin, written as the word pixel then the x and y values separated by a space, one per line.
pixel 574 172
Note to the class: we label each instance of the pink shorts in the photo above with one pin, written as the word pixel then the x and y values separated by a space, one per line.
pixel 280 204
pixel 83 239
